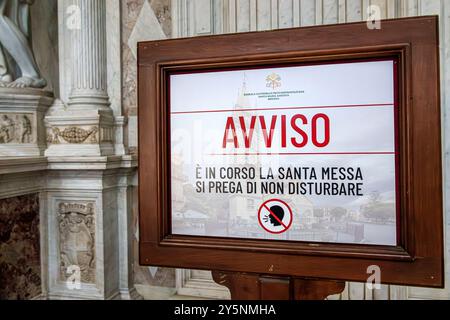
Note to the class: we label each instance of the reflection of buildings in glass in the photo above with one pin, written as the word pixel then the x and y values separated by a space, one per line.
pixel 244 208
pixel 355 215
pixel 241 107
pixel 302 211
pixel 187 207
pixel 178 181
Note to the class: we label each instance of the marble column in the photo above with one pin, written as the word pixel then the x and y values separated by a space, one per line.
pixel 89 90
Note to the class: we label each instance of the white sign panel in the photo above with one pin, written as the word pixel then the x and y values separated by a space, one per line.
pixel 298 153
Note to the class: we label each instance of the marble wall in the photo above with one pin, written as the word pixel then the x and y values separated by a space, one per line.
pixel 20 267
pixel 141 20
pixel 44 22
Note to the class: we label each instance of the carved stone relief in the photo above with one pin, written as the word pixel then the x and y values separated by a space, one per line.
pixel 77 240
pixel 16 128
pixel 74 135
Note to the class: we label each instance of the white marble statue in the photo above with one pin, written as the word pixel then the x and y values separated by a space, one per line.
pixel 18 68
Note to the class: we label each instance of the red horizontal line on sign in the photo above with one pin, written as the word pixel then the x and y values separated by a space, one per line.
pixel 286 108
pixel 301 153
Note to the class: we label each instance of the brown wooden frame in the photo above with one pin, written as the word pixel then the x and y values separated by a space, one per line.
pixel 418 257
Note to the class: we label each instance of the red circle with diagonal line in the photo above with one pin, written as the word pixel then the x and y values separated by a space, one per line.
pixel 265 207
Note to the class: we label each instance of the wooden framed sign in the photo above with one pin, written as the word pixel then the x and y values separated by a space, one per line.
pixel 309 152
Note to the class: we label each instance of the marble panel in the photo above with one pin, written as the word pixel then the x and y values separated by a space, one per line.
pixel 20 266
pixel 44 22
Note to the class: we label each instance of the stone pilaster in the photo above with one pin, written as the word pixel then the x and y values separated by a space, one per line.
pixel 85 127
pixel 87 202
pixel 88 182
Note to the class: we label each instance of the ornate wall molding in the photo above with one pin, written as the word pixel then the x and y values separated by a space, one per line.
pixel 72 134
pixel 16 128
pixel 22 129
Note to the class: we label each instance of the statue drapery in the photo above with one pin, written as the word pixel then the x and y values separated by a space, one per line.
pixel 18 67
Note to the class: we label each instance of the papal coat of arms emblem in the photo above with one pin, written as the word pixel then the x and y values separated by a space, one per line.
pixel 273 81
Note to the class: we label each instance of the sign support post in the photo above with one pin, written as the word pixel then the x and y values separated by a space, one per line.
pixel 245 286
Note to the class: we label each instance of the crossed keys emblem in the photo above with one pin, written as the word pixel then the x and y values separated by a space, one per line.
pixel 273 81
